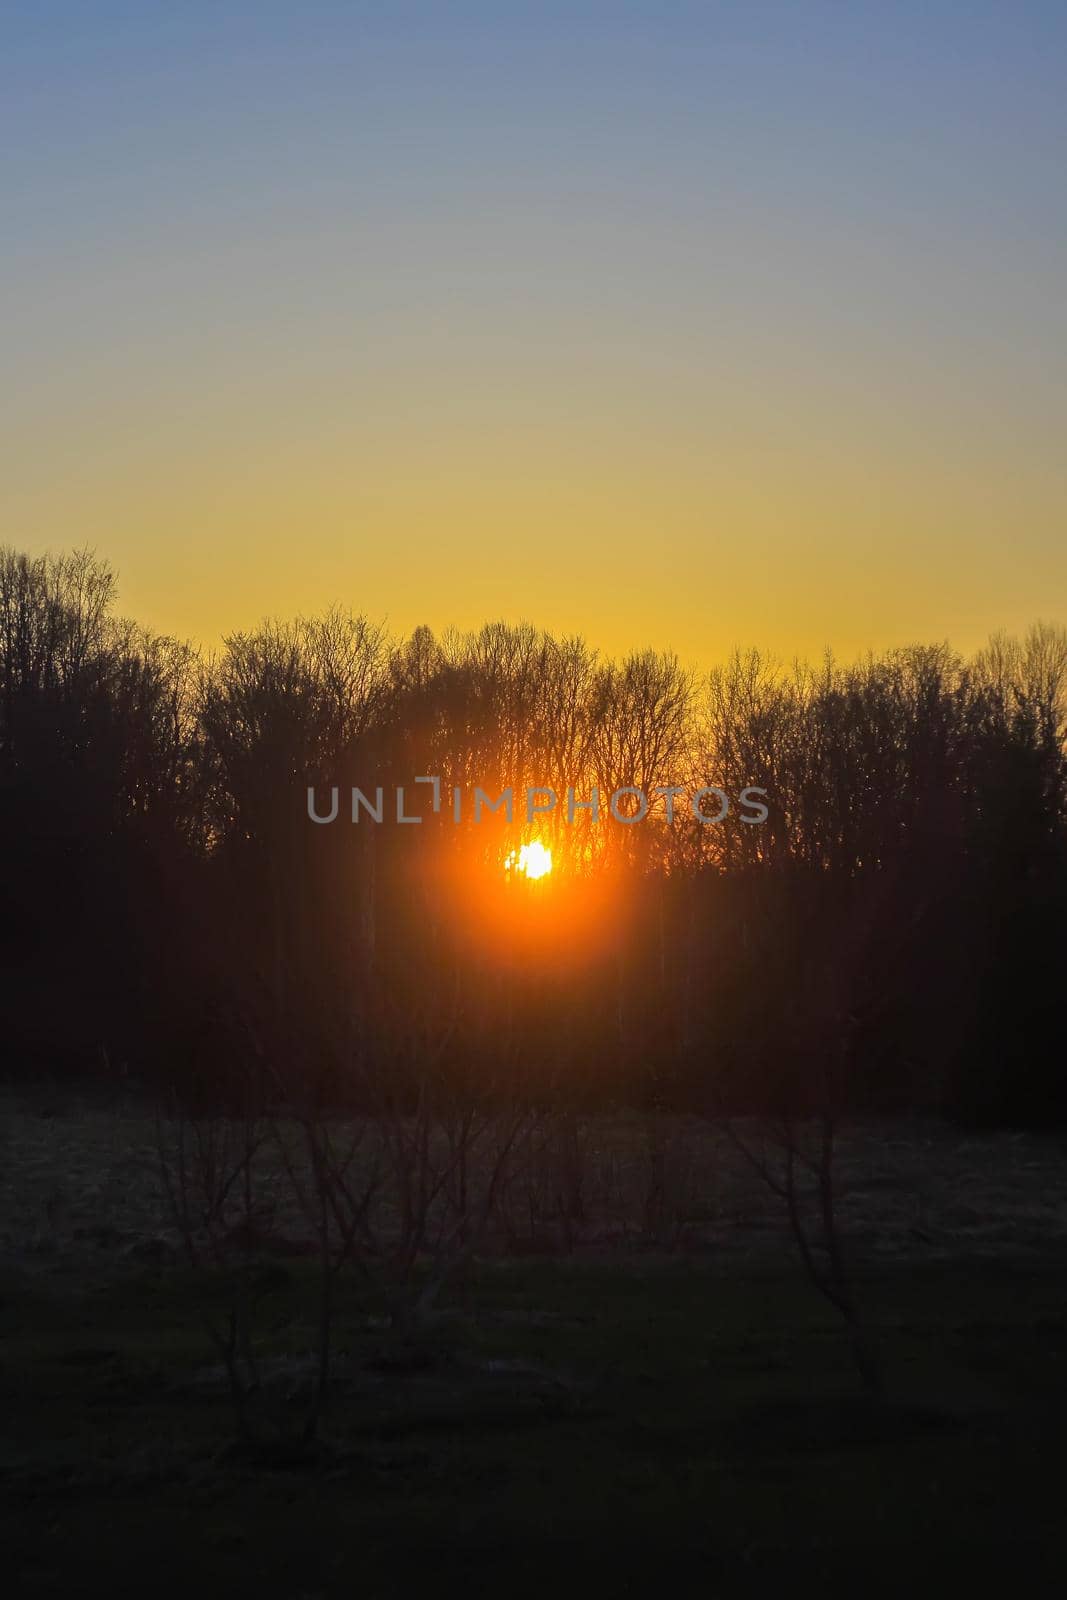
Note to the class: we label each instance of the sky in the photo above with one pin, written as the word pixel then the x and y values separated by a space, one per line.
pixel 672 324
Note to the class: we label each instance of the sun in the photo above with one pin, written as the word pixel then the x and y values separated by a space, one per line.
pixel 532 860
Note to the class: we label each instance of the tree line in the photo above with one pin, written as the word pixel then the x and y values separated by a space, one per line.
pixel 168 911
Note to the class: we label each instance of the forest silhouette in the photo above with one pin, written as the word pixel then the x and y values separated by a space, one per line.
pixel 169 915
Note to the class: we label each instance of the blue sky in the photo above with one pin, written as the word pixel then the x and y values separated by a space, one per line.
pixel 767 299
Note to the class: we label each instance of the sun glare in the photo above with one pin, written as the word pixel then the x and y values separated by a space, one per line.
pixel 532 860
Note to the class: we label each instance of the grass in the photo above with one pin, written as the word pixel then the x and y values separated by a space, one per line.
pixel 626 1425
pixel 629 1418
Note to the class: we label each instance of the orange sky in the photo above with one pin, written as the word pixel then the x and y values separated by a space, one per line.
pixel 683 332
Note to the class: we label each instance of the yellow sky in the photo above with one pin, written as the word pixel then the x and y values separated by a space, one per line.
pixel 696 335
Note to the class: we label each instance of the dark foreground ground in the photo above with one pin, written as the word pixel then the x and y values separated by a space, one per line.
pixel 637 1423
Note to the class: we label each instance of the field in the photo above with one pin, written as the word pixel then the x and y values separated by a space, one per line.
pixel 658 1402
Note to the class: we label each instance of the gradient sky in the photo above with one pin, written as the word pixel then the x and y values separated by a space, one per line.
pixel 671 323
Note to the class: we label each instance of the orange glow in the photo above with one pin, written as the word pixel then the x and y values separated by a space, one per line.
pixel 533 860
